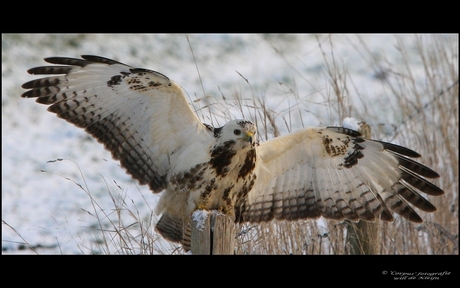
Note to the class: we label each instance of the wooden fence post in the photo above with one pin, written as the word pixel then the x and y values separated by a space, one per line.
pixel 364 236
pixel 213 233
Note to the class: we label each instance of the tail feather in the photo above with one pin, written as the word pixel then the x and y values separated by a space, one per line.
pixel 173 229
pixel 187 237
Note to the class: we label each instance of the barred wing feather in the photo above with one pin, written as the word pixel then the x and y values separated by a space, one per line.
pixel 140 115
pixel 335 173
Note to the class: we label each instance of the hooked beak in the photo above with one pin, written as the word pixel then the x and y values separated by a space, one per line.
pixel 248 136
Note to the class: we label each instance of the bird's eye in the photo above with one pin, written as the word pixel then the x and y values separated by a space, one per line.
pixel 237 132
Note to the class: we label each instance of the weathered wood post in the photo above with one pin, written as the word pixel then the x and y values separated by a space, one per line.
pixel 213 233
pixel 363 236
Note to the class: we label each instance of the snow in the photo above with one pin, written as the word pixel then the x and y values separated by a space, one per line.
pixel 59 206
pixel 351 123
pixel 199 218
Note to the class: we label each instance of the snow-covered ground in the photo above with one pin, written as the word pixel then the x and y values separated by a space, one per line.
pixel 43 203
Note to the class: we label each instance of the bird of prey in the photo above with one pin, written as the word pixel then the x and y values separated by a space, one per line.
pixel 143 118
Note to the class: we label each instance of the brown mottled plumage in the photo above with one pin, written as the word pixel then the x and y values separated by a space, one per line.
pixel 144 120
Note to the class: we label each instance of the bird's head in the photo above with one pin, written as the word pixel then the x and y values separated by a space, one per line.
pixel 243 132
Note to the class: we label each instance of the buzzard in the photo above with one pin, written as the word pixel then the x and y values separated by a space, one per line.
pixel 143 118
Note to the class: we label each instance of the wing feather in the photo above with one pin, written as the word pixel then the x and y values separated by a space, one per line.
pixel 140 115
pixel 335 173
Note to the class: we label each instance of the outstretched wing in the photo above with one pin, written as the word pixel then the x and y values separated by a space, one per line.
pixel 335 173
pixel 140 115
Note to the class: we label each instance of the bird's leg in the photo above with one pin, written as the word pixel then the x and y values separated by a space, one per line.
pixel 201 206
